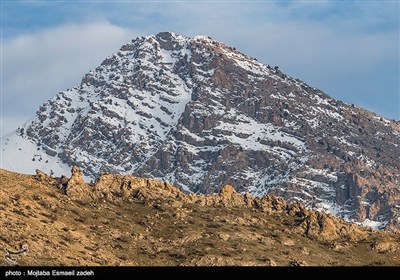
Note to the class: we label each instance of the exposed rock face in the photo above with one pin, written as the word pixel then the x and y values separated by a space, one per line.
pixel 324 227
pixel 112 187
pixel 386 246
pixel 44 178
pixel 201 115
pixel 77 189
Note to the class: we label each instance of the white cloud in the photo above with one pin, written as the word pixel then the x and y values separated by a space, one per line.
pixel 37 66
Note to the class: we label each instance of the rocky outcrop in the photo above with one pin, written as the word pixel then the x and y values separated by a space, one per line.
pixel 45 179
pixel 386 246
pixel 227 197
pixel 271 204
pixel 115 188
pixel 77 189
pixel 325 227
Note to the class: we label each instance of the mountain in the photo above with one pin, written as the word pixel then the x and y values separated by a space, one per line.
pixel 123 220
pixel 200 114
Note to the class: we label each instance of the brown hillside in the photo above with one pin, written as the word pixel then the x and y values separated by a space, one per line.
pixel 125 220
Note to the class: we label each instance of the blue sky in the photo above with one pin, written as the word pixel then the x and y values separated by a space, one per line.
pixel 348 49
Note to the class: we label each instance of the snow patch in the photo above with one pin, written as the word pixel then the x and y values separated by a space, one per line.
pixel 21 155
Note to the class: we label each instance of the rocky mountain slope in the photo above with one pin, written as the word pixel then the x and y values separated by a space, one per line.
pixel 126 220
pixel 200 114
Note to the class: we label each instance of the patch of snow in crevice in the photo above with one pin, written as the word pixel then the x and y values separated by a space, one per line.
pixel 324 172
pixel 373 224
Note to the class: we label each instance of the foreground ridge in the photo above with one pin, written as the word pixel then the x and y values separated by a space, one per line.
pixel 126 220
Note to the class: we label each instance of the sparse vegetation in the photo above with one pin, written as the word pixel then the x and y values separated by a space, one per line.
pixel 159 230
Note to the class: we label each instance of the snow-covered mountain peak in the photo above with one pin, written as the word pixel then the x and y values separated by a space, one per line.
pixel 200 114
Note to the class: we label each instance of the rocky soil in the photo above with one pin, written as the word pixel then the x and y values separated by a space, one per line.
pixel 125 220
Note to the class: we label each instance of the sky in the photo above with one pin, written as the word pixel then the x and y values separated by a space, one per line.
pixel 348 49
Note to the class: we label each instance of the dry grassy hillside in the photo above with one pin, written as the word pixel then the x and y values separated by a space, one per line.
pixel 128 221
